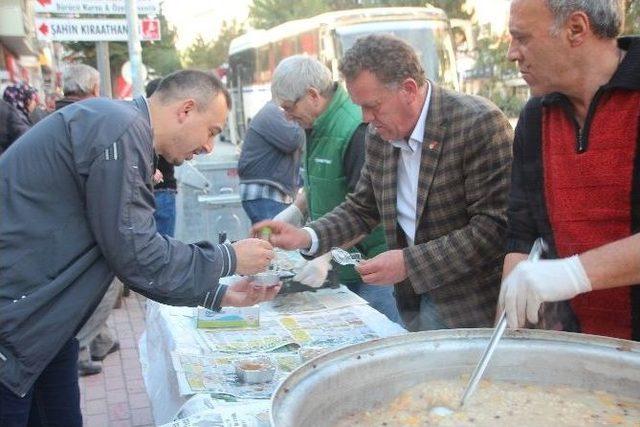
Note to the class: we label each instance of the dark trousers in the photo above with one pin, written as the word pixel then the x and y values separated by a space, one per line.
pixel 261 209
pixel 165 213
pixel 54 399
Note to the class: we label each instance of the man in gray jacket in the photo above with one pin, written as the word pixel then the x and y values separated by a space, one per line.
pixel 269 163
pixel 95 338
pixel 76 207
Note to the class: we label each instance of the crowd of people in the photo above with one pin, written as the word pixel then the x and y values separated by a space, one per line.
pixel 432 186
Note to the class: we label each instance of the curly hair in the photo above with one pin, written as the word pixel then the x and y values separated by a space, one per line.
pixel 387 57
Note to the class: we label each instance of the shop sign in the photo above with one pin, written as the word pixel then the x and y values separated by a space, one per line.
pixel 58 29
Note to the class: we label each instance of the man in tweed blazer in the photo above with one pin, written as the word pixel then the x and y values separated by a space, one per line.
pixel 436 176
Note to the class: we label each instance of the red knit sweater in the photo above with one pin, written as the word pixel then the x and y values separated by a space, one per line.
pixel 588 197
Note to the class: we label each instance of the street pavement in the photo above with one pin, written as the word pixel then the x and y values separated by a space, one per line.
pixel 117 396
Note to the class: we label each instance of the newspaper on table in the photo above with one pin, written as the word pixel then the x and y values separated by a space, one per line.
pixel 282 339
pixel 322 299
pixel 328 328
pixel 270 336
pixel 216 374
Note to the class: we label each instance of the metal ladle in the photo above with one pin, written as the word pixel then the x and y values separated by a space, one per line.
pixel 539 246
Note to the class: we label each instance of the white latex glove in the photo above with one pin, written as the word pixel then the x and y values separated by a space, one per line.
pixel 533 282
pixel 314 272
pixel 291 215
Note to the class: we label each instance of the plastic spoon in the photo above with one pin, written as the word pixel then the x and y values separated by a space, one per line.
pixel 343 257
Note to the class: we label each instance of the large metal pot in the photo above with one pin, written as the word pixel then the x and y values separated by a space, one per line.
pixel 358 377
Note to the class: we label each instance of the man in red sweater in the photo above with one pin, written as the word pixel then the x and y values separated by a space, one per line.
pixel 576 171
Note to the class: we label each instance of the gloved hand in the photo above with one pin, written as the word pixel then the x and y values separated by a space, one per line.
pixel 533 282
pixel 291 215
pixel 314 272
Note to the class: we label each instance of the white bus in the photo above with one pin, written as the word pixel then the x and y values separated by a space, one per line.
pixel 253 56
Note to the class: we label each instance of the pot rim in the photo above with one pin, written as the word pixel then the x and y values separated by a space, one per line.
pixel 308 368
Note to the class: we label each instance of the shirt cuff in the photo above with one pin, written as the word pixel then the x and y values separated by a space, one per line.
pixel 229 260
pixel 213 300
pixel 314 242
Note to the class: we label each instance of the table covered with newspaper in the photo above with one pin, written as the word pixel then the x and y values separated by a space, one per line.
pixel 189 372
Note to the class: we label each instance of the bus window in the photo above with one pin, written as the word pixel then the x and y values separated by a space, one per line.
pixel 264 65
pixel 285 47
pixel 430 39
pixel 243 67
pixel 308 43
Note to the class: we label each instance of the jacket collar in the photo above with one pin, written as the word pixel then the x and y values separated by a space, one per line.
pixel 339 98
pixel 627 76
pixel 434 131
pixel 67 100
pixel 143 105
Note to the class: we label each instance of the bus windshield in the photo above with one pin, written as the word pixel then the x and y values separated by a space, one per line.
pixel 430 39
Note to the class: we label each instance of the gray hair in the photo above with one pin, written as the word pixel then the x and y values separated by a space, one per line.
pixel 200 86
pixel 387 57
pixel 606 16
pixel 296 74
pixel 79 80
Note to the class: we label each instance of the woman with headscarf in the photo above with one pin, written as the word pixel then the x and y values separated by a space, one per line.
pixel 18 101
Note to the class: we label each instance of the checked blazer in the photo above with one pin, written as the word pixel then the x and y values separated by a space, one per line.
pixel 461 210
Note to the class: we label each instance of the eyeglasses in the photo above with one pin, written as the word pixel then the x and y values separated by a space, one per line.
pixel 288 108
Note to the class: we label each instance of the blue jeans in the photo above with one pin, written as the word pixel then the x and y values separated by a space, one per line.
pixel 427 319
pixel 379 297
pixel 261 209
pixel 165 213
pixel 54 399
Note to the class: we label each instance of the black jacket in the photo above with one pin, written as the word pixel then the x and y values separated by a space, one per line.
pixel 271 151
pixel 12 124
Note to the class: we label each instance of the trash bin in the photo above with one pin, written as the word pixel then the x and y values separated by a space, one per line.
pixel 224 214
pixel 208 202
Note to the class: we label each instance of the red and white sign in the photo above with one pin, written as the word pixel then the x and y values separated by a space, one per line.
pixel 150 29
pixel 76 30
pixel 101 7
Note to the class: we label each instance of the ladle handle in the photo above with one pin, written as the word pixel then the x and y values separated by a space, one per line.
pixel 484 361
pixel 539 246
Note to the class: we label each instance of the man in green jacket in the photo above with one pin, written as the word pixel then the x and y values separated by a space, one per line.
pixel 332 161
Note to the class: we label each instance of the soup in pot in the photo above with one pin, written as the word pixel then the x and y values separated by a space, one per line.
pixel 500 403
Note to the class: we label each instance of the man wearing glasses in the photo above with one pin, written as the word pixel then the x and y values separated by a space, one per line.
pixel 332 162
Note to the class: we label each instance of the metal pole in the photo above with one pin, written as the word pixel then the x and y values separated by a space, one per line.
pixel 135 49
pixel 104 68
